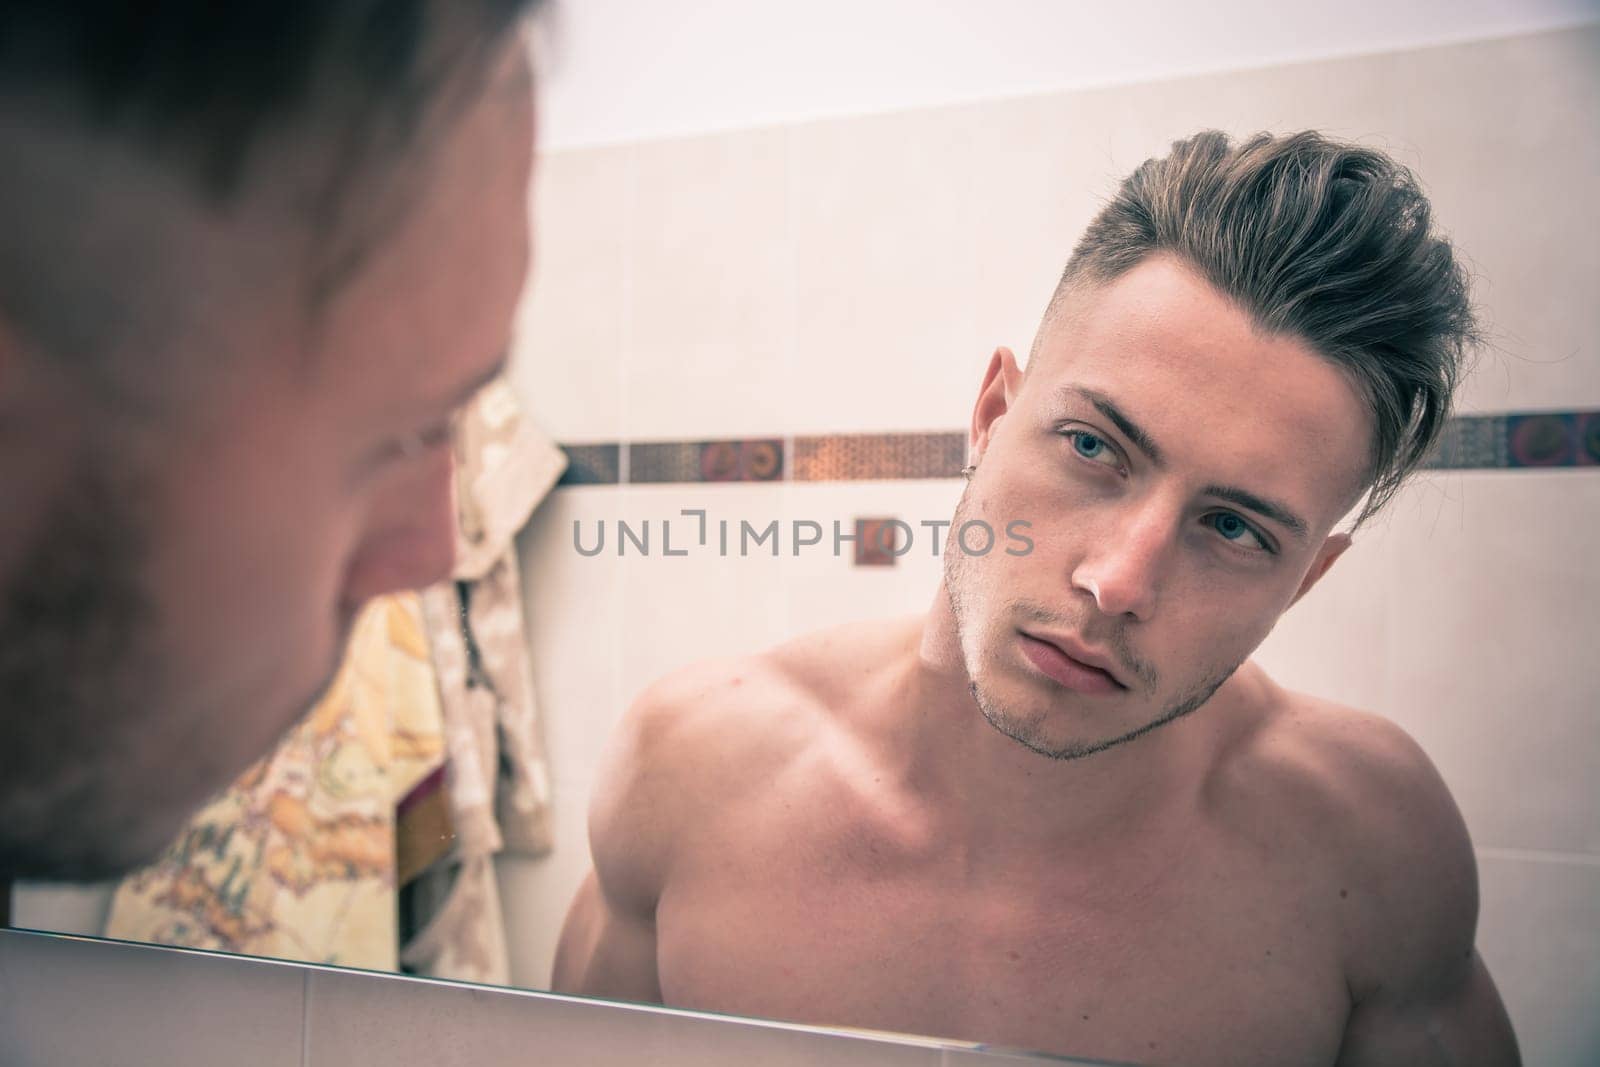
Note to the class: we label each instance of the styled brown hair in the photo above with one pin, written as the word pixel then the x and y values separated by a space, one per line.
pixel 1330 243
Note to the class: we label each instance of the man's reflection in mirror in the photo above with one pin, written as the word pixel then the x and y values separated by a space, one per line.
pixel 1064 810
pixel 254 257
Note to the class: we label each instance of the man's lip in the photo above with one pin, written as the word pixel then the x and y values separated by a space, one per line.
pixel 1082 654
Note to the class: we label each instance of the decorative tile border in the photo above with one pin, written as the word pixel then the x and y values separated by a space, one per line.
pixel 1469 442
pixel 855 457
pixel 706 461
pixel 1537 439
pixel 1554 439
pixel 592 465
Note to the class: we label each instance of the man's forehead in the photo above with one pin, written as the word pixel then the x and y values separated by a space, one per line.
pixel 427 321
pixel 412 383
pixel 1160 295
pixel 1161 324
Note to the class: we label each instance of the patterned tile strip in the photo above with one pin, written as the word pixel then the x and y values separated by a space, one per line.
pixel 1538 439
pixel 592 465
pixel 1469 442
pixel 853 457
pixel 665 461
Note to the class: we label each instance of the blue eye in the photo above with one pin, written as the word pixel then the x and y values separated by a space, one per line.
pixel 1232 528
pixel 1091 446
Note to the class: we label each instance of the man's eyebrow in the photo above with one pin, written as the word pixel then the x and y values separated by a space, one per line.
pixel 1268 508
pixel 1129 428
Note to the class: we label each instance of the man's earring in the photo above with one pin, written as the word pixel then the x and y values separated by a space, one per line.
pixel 969 470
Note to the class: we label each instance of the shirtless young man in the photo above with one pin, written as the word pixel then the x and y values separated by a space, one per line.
pixel 1000 821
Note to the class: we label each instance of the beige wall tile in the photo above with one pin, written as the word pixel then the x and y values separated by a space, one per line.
pixel 828 590
pixel 567 362
pixel 1334 643
pixel 1539 933
pixel 574 608
pixel 883 220
pixel 536 893
pixel 854 274
pixel 711 284
pixel 1494 607
pixel 681 609
pixel 66 909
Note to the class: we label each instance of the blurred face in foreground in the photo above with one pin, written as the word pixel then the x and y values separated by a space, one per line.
pixel 1181 472
pixel 186 541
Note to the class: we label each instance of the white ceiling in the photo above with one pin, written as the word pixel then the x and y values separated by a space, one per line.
pixel 623 70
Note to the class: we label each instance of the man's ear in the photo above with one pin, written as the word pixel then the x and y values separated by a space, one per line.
pixel 1332 549
pixel 1001 383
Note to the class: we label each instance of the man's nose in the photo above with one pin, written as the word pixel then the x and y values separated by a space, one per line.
pixel 1122 570
pixel 435 557
pixel 415 546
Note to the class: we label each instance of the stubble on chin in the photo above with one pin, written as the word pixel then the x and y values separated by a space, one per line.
pixel 77 690
pixel 1029 732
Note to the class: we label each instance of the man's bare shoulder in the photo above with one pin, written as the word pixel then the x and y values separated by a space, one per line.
pixel 757 706
pixel 697 728
pixel 1353 797
pixel 705 736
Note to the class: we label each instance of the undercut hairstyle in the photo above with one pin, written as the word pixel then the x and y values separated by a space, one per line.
pixel 1330 243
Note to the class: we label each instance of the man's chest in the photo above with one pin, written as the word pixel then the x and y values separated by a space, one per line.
pixel 1220 960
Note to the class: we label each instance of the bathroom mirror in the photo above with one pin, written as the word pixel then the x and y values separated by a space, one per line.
pixel 773 309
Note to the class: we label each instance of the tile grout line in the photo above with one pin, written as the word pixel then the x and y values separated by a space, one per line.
pixel 1537 855
pixel 305 1019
